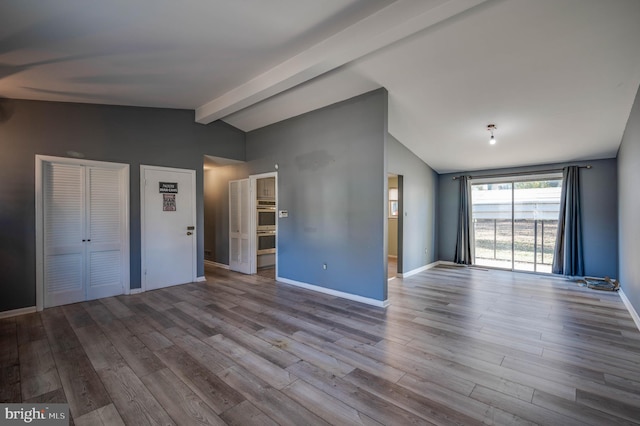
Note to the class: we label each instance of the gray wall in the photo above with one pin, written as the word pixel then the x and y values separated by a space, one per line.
pixel 598 188
pixel 332 180
pixel 216 210
pixel 130 135
pixel 419 201
pixel 629 207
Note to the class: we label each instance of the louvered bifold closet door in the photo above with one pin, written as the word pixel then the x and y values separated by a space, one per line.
pixel 239 243
pixel 104 234
pixel 64 230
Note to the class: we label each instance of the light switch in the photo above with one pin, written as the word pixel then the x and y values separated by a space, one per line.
pixel 283 213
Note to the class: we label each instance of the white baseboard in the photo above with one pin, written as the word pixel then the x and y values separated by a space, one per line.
pixel 16 312
pixel 449 263
pixel 354 297
pixel 201 279
pixel 135 291
pixel 216 264
pixel 420 269
pixel 630 308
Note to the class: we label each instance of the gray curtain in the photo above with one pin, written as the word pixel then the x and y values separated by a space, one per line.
pixel 568 259
pixel 463 243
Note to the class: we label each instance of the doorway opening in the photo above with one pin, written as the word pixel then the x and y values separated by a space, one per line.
pixel 515 222
pixel 265 213
pixel 394 226
pixel 240 225
pixel 217 172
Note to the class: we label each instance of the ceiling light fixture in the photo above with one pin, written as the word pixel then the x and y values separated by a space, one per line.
pixel 491 128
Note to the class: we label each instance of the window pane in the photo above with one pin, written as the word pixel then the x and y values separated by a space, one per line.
pixel 536 209
pixel 491 210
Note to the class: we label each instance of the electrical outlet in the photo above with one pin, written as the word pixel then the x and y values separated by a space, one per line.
pixel 324 266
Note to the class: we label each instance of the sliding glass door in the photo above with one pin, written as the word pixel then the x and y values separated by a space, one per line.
pixel 493 224
pixel 515 222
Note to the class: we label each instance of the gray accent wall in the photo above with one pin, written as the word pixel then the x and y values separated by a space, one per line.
pixel 152 136
pixel 419 202
pixel 629 207
pixel 332 181
pixel 599 203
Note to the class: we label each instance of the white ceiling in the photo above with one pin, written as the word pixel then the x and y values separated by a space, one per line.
pixel 558 77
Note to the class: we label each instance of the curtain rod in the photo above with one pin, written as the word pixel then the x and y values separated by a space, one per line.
pixel 536 172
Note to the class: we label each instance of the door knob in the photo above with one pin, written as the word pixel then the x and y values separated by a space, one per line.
pixel 189 233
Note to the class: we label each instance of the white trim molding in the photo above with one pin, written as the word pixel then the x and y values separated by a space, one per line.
pixel 215 264
pixel 201 279
pixel 17 312
pixel 421 269
pixel 331 292
pixel 253 225
pixel 449 263
pixel 630 308
pixel 136 291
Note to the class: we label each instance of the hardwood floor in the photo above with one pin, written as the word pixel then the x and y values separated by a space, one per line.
pixel 269 272
pixel 456 346
pixel 392 267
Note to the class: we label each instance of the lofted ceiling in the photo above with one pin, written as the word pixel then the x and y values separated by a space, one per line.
pixel 557 77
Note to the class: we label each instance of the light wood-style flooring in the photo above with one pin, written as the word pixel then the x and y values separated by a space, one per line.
pixel 392 267
pixel 457 346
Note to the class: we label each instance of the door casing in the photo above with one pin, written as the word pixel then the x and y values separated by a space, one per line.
pixel 253 226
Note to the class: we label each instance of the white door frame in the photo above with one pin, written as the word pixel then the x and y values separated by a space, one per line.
pixel 40 160
pixel 194 267
pixel 253 226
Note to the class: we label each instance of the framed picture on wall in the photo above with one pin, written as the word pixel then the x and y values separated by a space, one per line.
pixel 393 202
pixel 393 208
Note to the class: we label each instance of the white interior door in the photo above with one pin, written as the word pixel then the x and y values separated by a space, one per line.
pixel 168 218
pixel 105 225
pixel 64 233
pixel 239 242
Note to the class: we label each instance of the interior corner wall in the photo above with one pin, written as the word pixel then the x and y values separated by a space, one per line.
pixel 598 192
pixel 131 135
pixel 629 207
pixel 332 180
pixel 216 210
pixel 419 201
